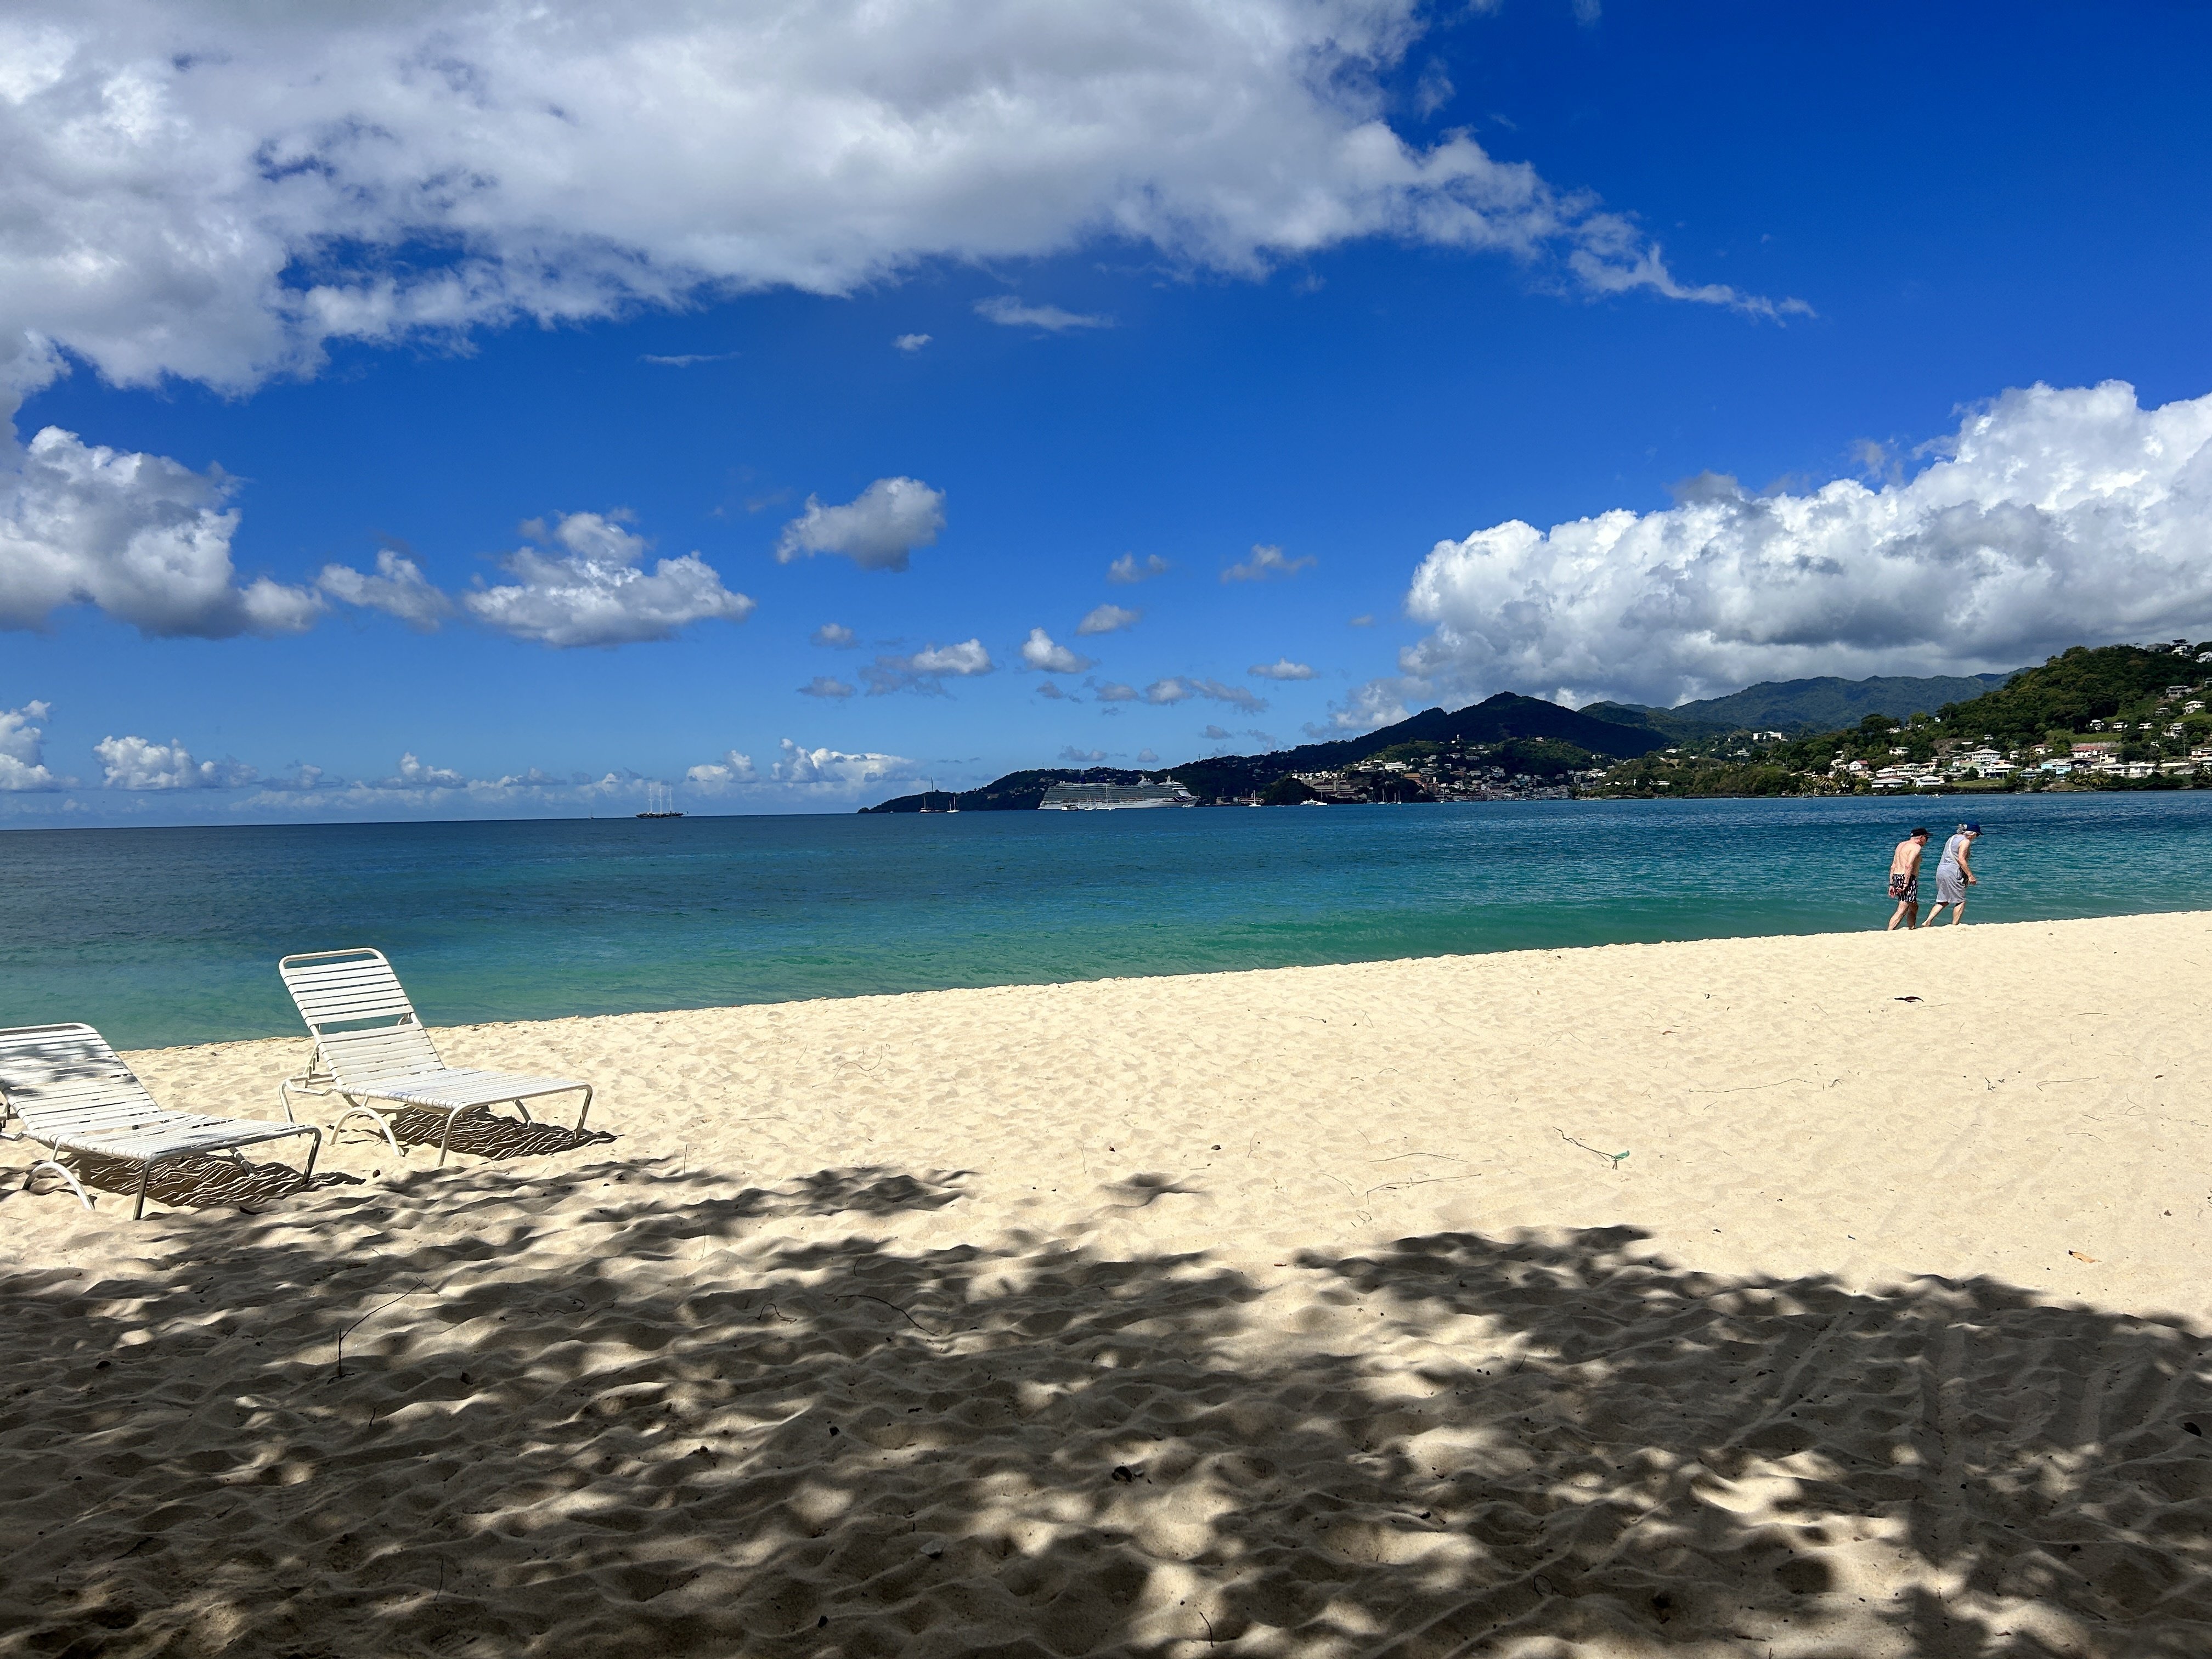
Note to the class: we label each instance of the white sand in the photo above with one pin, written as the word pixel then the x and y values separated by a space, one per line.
pixel 1300 1312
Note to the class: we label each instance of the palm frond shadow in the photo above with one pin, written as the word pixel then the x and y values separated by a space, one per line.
pixel 640 1415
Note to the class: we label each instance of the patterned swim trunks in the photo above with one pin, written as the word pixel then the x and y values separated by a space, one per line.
pixel 1904 888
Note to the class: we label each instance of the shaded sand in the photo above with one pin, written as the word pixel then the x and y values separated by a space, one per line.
pixel 1304 1312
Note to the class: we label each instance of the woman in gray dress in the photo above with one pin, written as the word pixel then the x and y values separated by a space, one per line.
pixel 1955 874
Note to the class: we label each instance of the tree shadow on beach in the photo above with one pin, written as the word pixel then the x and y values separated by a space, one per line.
pixel 630 1412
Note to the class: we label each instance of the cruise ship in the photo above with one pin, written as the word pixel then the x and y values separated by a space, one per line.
pixel 1113 796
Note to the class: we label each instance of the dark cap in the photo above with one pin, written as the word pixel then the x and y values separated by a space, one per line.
pixel 1971 828
pixel 1917 829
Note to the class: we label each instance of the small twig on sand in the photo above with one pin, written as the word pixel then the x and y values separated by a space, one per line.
pixel 338 1363
pixel 1613 1159
pixel 862 1295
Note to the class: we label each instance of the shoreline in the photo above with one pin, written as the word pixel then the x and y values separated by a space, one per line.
pixel 1633 1295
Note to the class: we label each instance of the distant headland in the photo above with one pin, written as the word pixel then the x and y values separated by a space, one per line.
pixel 2111 717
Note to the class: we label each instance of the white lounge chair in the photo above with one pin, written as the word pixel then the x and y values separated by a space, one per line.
pixel 372 1052
pixel 68 1089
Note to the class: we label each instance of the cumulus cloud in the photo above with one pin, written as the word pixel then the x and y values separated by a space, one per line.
pixel 1181 688
pixel 135 763
pixel 399 589
pixel 1010 312
pixel 2056 517
pixel 831 770
pixel 1114 691
pixel 1047 688
pixel 876 531
pixel 1266 563
pixel 825 685
pixel 926 670
pixel 1378 702
pixel 200 188
pixel 1126 569
pixel 1108 619
pixel 734 770
pixel 1281 669
pixel 1038 650
pixel 836 636
pixel 594 592
pixel 1076 757
pixel 22 750
pixel 910 344
pixel 1215 733
pixel 142 537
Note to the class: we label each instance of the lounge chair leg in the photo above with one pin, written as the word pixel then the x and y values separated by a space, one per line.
pixel 61 1169
pixel 447 1142
pixel 314 1151
pixel 584 1111
pixel 525 1110
pixel 383 1127
pixel 145 1179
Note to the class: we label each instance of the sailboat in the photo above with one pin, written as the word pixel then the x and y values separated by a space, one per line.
pixel 659 802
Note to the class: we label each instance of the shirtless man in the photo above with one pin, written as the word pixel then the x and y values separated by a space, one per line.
pixel 1904 878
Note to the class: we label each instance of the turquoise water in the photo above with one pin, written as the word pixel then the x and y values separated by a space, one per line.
pixel 168 936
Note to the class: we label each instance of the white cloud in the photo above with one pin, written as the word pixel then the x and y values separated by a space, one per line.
pixel 1082 757
pixel 1364 621
pixel 217 191
pixel 830 770
pixel 1038 650
pixel 145 539
pixel 1281 669
pixel 22 751
pixel 877 530
pixel 1266 562
pixel 414 774
pixel 825 685
pixel 1047 688
pixel 399 589
pixel 836 636
pixel 732 771
pixel 686 359
pixel 594 592
pixel 136 763
pixel 1215 733
pixel 1378 702
pixel 2057 518
pixel 1108 619
pixel 910 342
pixel 1114 691
pixel 1010 312
pixel 1126 569
pixel 1146 757
pixel 1180 689
pixel 927 670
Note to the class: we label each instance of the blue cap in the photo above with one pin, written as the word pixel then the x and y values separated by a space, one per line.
pixel 1971 828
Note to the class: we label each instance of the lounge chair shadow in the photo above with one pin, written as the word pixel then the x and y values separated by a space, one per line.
pixel 209 1181
pixel 488 1134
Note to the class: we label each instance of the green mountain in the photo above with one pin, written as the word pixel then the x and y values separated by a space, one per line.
pixel 1825 704
pixel 2075 687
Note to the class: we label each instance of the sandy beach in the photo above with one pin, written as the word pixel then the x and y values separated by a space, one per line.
pixel 1845 1295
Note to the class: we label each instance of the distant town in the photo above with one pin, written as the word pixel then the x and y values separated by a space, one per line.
pixel 2112 717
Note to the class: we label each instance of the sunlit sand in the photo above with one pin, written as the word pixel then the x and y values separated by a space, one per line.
pixel 1836 1295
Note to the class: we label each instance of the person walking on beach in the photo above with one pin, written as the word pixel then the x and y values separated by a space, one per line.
pixel 1954 875
pixel 1904 878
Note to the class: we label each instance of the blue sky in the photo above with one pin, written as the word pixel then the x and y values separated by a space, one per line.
pixel 1632 350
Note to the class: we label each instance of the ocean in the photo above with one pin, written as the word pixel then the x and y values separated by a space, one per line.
pixel 171 935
